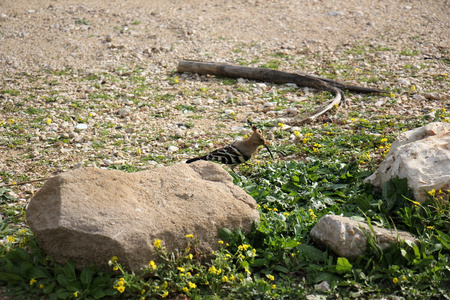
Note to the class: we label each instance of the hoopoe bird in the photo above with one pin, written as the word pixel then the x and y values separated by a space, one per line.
pixel 238 152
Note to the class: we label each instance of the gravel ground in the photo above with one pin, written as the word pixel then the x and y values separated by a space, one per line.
pixel 93 83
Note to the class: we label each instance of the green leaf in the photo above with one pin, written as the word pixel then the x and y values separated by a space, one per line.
pixel 280 269
pixel 37 272
pixel 62 280
pixel 49 288
pixel 11 277
pixel 343 266
pixel 69 271
pixel 225 234
pixel 444 239
pixel 86 277
pixel 310 252
pixel 260 262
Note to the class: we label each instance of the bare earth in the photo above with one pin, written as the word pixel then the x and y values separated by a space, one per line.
pixel 65 63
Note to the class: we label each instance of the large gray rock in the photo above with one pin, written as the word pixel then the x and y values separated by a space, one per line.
pixel 347 237
pixel 89 215
pixel 422 156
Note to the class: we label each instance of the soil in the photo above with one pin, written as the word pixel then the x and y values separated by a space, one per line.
pixel 111 65
pixel 72 34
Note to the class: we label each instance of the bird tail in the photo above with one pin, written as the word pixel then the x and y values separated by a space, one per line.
pixel 194 159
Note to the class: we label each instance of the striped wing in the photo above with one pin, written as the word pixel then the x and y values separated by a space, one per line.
pixel 228 155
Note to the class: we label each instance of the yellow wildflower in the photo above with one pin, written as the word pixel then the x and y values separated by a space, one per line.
pixel 181 269
pixel 192 285
pixel 271 278
pixel 274 286
pixel 75 294
pixel 121 289
pixel 221 242
pixel 164 285
pixel 157 244
pixel 225 279
pixel 41 286
pixel 153 265
pixel 10 239
pixel 189 236
pixel 395 280
pixel 165 294
pixel 11 121
pixel 232 277
pixel 142 292
pixel 33 281
pixel 243 247
pixel 185 289
pixel 190 256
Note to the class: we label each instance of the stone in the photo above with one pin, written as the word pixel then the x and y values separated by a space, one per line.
pixel 89 215
pixel 347 238
pixel 421 155
pixel 123 112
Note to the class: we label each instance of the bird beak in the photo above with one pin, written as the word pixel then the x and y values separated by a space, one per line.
pixel 267 147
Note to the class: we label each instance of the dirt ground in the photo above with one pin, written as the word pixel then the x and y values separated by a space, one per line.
pixel 122 87
pixel 61 34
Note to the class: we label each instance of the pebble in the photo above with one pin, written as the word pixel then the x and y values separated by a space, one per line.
pixel 78 139
pixel 81 126
pixel 129 130
pixel 403 81
pixel 433 96
pixel 172 149
pixel 335 13
pixel 229 111
pixel 123 112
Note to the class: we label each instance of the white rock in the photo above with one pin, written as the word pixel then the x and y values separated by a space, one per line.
pixel 172 149
pixel 347 238
pixel 403 81
pixel 81 126
pixel 422 156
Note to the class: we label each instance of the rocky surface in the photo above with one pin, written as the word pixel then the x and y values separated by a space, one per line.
pixel 348 238
pixel 90 215
pixel 422 156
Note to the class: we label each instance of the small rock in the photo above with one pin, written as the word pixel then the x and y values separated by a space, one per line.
pixel 179 133
pixel 81 126
pixel 172 149
pixel 108 38
pixel 78 139
pixel 129 130
pixel 433 96
pixel 403 81
pixel 123 112
pixel 335 13
pixel 322 287
pixel 108 162
pixel 72 134
pixel 229 111
pixel 241 81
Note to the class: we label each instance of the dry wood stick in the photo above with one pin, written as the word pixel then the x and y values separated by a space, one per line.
pixel 269 75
